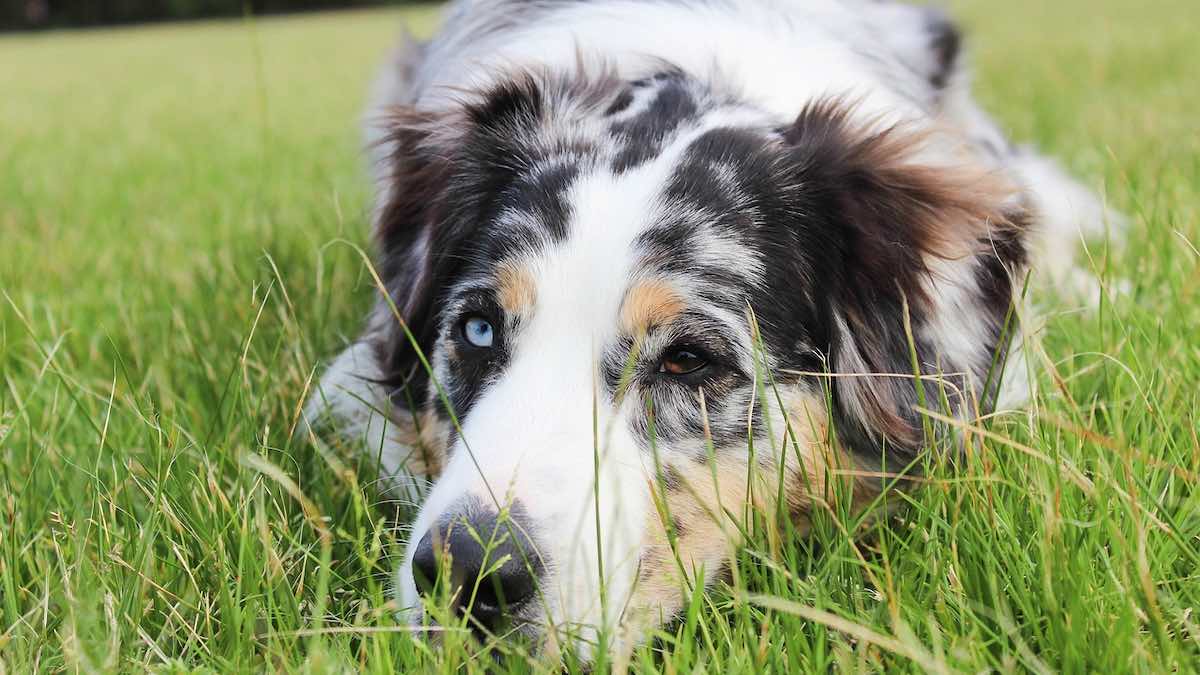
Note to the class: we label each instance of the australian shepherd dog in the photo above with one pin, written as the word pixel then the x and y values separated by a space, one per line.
pixel 646 266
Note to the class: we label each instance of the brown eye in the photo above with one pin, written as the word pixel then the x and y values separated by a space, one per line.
pixel 682 361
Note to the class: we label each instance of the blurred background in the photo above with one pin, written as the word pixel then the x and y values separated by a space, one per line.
pixel 34 14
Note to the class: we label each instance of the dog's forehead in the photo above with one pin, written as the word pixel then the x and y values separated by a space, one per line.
pixel 580 240
pixel 668 193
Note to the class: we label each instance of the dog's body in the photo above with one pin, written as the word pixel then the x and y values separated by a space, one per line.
pixel 665 259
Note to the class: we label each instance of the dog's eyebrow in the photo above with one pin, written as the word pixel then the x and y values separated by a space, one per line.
pixel 471 293
pixel 516 290
pixel 648 304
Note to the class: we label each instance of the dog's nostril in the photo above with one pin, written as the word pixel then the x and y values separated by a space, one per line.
pixel 509 585
pixel 493 567
pixel 425 564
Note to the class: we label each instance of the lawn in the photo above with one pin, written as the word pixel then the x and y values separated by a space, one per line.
pixel 180 207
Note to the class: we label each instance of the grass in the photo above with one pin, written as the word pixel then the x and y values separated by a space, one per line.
pixel 175 207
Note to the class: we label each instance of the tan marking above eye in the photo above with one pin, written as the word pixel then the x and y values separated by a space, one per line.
pixel 649 304
pixel 516 290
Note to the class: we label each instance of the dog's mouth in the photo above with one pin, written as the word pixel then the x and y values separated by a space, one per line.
pixel 507 636
pixel 490 621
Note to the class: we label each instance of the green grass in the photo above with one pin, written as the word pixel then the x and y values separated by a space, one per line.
pixel 174 207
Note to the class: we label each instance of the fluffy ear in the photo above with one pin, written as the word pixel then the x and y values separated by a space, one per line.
pixel 913 235
pixel 444 177
pixel 375 390
pixel 409 237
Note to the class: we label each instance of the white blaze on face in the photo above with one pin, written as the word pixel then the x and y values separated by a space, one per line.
pixel 538 433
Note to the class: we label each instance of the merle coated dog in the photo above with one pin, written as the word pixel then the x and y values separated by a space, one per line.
pixel 651 263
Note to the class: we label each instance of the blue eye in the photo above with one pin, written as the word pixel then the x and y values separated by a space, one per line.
pixel 478 332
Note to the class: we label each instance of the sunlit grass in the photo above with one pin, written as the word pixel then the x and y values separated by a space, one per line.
pixel 179 207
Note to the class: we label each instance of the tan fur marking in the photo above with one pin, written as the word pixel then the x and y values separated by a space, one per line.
pixel 818 474
pixel 515 288
pixel 649 304
pixel 710 502
pixel 707 503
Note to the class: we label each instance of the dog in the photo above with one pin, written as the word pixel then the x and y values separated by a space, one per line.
pixel 646 265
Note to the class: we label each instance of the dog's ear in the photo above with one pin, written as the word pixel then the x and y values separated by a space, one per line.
pixel 920 262
pixel 410 237
pixel 376 387
pixel 444 177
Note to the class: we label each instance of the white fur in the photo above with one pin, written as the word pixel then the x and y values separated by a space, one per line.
pixel 347 396
pixel 1067 214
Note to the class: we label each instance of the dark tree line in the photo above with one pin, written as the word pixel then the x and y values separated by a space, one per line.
pixel 25 14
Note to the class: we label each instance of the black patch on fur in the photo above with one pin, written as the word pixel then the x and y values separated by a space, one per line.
pixel 621 103
pixel 643 134
pixel 728 186
pixel 995 278
pixel 738 177
pixel 473 368
pixel 543 196
pixel 945 42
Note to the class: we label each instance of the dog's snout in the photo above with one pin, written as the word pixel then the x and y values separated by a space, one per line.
pixel 491 561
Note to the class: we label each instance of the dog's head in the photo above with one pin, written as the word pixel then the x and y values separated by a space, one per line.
pixel 620 314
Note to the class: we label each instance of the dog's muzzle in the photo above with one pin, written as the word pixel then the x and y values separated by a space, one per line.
pixel 488 560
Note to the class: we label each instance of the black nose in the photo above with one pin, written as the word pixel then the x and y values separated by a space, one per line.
pixel 476 542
